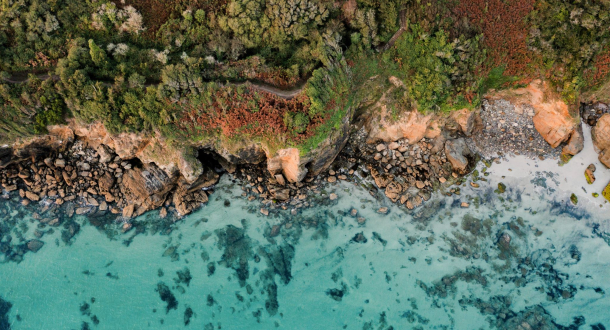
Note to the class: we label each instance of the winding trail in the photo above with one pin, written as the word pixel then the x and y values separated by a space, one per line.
pixel 288 93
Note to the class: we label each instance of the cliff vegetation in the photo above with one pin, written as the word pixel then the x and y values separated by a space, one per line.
pixel 285 73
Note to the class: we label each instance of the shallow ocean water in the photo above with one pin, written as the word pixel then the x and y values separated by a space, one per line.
pixel 437 267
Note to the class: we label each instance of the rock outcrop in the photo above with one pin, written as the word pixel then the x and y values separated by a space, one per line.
pixel 575 144
pixel 601 139
pixel 58 139
pixel 411 125
pixel 148 148
pixel 468 121
pixel 288 163
pixel 457 152
pixel 553 122
pixel 146 188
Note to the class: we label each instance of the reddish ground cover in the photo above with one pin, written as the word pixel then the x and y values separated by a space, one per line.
pixel 246 113
pixel 601 70
pixel 504 29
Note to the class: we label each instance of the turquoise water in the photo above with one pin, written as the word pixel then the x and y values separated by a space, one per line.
pixel 223 267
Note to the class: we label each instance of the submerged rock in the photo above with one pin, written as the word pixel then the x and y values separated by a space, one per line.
pixel 167 296
pixel 237 250
pixel 35 245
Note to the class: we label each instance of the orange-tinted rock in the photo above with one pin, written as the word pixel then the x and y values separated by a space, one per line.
pixel 412 126
pixel 601 133
pixel 287 161
pixel 468 121
pixel 105 182
pixel 553 122
pixel 434 130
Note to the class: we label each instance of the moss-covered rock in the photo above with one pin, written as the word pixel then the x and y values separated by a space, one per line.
pixel 589 174
pixel 606 192
pixel 501 188
pixel 574 199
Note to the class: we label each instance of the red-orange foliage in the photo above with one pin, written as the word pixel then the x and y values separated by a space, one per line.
pixel 251 113
pixel 601 70
pixel 253 68
pixel 504 30
pixel 277 77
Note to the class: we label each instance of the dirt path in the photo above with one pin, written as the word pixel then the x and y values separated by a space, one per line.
pixel 282 93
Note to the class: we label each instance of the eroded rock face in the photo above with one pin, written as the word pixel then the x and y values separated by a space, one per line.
pixel 467 121
pixel 146 187
pixel 412 126
pixel 189 196
pixel 148 148
pixel 457 152
pixel 58 138
pixel 287 162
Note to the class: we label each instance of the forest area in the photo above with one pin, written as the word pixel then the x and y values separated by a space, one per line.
pixel 177 67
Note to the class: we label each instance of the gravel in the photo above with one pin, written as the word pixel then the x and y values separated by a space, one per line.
pixel 509 130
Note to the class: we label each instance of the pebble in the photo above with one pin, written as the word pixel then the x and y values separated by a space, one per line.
pixel 333 196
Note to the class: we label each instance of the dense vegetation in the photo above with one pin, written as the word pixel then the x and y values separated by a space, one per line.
pixel 177 66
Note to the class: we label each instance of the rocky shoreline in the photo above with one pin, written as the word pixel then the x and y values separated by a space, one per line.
pixel 80 174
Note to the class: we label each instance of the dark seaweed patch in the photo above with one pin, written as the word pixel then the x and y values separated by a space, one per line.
pixel 377 237
pixel 237 250
pixel 279 259
pixel 566 208
pixel 5 307
pixel 188 314
pixel 359 238
pixel 335 294
pixel 167 296
pixel 184 276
